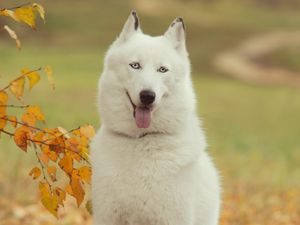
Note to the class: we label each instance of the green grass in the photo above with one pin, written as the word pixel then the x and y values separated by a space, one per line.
pixel 253 131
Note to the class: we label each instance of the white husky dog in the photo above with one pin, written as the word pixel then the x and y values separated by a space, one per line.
pixel 149 162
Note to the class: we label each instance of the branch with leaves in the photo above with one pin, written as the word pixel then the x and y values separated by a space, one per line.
pixel 55 148
pixel 58 151
pixel 25 13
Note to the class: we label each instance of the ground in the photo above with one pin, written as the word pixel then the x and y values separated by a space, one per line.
pixel 253 130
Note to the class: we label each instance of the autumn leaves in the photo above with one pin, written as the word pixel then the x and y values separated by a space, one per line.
pixel 60 154
pixel 26 14
pixel 17 85
pixel 57 150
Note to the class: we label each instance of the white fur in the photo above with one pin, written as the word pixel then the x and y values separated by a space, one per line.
pixel 161 175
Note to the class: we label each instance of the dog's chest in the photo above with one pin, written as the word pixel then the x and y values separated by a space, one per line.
pixel 136 185
pixel 133 175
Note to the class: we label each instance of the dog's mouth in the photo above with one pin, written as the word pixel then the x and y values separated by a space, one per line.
pixel 141 114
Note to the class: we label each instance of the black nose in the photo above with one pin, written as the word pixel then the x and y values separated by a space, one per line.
pixel 147 97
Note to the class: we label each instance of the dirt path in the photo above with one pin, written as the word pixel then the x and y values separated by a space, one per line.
pixel 240 62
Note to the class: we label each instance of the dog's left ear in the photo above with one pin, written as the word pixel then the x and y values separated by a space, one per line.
pixel 131 26
pixel 176 34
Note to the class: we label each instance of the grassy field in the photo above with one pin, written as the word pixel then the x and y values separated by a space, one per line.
pixel 253 131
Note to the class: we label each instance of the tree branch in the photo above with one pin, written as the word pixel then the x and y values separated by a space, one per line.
pixel 62 135
pixel 47 144
pixel 49 139
pixel 15 106
pixel 25 125
pixel 24 74
pixel 6 132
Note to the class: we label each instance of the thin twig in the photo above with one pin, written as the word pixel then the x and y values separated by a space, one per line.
pixel 49 139
pixel 25 125
pixel 43 168
pixel 24 74
pixel 70 131
pixel 62 135
pixel 15 106
pixel 57 145
pixel 44 143
pixel 6 132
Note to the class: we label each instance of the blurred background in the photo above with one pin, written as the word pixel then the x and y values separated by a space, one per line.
pixel 246 70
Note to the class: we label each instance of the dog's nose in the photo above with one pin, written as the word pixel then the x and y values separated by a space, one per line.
pixel 147 97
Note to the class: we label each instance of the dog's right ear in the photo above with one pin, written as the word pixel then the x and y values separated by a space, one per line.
pixel 131 26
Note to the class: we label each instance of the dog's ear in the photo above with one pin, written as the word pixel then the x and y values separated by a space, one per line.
pixel 176 34
pixel 131 26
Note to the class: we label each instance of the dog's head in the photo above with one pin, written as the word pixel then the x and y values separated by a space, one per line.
pixel 145 86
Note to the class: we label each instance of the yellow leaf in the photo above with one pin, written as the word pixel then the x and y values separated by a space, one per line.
pixel 10 13
pixel 57 144
pixel 50 154
pixel 84 147
pixel 49 72
pixel 76 132
pixel 66 164
pixel 33 77
pixel 52 172
pixel 35 173
pixel 49 200
pixel 72 144
pixel 44 188
pixel 3 98
pixel 40 10
pixel 61 195
pixel 89 207
pixel 39 136
pixel 3 102
pixel 68 189
pixel 21 136
pixel 87 131
pixel 17 87
pixel 44 158
pixel 13 35
pixel 84 152
pixel 75 156
pixel 26 15
pixel 85 173
pixel 75 174
pixel 64 132
pixel 28 119
pixel 77 190
pixel 36 112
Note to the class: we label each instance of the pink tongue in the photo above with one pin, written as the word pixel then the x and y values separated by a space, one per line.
pixel 142 117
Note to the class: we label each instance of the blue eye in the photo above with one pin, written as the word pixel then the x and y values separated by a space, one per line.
pixel 135 65
pixel 163 69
